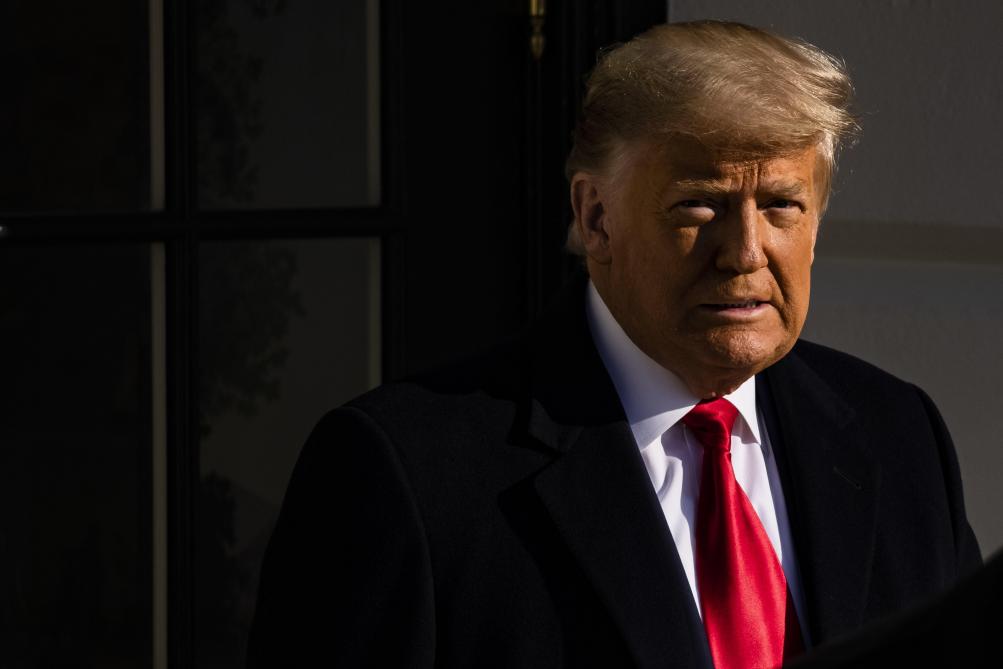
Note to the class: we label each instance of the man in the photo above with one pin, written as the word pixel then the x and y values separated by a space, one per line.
pixel 660 474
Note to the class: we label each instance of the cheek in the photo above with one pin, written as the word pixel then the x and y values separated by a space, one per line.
pixel 655 267
pixel 797 293
pixel 793 275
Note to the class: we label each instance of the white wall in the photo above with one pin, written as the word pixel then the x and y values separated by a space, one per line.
pixel 910 260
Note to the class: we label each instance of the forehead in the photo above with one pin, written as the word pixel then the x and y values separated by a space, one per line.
pixel 689 164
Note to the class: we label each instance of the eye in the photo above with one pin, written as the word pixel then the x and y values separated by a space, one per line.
pixel 701 207
pixel 695 211
pixel 781 203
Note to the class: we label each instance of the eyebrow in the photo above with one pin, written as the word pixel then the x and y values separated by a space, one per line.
pixel 711 186
pixel 793 188
pixel 789 189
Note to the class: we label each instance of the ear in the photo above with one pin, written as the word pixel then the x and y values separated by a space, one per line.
pixel 591 218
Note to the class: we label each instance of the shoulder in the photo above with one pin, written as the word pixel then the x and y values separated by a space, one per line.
pixel 436 424
pixel 903 432
pixel 856 381
pixel 897 420
pixel 895 413
pixel 496 377
pixel 840 366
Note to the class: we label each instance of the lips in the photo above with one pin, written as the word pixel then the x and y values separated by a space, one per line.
pixel 737 304
pixel 749 304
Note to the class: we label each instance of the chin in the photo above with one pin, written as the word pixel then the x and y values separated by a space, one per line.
pixel 747 353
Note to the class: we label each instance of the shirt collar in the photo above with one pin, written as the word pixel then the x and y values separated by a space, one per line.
pixel 654 398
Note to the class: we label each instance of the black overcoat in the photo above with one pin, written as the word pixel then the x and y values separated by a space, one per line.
pixel 498 514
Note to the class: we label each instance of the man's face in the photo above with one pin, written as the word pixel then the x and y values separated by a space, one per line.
pixel 706 264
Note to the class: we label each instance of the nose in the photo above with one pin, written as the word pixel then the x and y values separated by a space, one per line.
pixel 740 248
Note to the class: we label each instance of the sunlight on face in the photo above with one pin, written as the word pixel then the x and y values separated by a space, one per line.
pixel 707 264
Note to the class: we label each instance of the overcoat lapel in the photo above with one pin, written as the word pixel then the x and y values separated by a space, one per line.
pixel 830 487
pixel 600 499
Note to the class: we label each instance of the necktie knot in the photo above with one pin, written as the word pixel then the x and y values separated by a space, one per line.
pixel 711 421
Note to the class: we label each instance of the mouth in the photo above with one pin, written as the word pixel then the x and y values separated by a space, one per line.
pixel 740 310
pixel 727 306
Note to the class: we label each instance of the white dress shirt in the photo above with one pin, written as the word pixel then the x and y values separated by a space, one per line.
pixel 655 400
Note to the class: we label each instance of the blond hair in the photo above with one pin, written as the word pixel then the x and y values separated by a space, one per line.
pixel 742 92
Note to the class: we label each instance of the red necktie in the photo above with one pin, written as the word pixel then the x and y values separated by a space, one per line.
pixel 747 611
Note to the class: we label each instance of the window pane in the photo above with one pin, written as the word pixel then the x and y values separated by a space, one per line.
pixel 75 113
pixel 288 330
pixel 75 468
pixel 288 114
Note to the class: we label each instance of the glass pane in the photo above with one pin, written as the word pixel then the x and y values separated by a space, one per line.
pixel 75 466
pixel 75 113
pixel 287 101
pixel 288 330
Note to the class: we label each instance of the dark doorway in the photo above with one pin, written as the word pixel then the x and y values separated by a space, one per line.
pixel 220 219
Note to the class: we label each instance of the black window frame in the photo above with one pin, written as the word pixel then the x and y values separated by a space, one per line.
pixel 574 31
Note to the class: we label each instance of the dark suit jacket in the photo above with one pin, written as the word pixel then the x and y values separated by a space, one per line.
pixel 960 628
pixel 498 514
